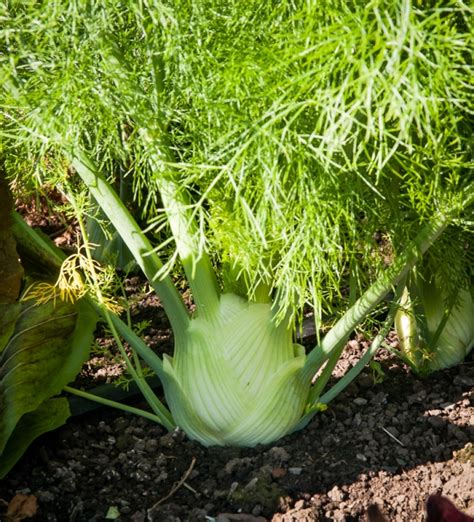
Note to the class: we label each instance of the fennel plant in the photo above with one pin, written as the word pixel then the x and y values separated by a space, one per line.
pixel 435 323
pixel 270 142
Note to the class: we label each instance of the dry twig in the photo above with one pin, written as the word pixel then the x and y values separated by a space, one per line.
pixel 176 486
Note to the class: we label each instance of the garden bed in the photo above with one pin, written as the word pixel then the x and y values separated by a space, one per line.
pixel 391 442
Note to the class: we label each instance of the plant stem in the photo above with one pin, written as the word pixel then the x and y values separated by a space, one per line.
pixel 360 365
pixel 135 239
pixel 163 414
pixel 370 299
pixel 196 263
pixel 113 404
pixel 315 401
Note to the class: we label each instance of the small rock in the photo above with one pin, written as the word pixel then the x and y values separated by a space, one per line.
pixel 436 422
pixel 335 494
pixel 448 405
pixel 360 401
pixel 237 464
pixel 277 455
pixel 167 441
pixel 361 457
pixel 151 445
pixel 379 398
pixel 45 496
pixel 238 517
pixel 278 472
pixel 460 380
pixel 365 381
pixel 122 442
pixel 252 484
pixel 457 433
pixel 295 471
pixel 138 516
pixel 339 516
pixel 299 504
pixel 139 445
pixel 103 427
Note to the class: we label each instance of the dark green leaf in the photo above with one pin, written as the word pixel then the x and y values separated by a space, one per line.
pixel 50 415
pixel 45 352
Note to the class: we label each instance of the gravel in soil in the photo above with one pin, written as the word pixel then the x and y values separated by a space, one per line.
pixel 392 443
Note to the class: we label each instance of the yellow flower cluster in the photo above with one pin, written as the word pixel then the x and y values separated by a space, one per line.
pixel 74 281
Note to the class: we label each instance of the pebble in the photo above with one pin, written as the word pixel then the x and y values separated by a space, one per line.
pixel 278 472
pixel 102 426
pixel 240 517
pixel 448 405
pixel 335 494
pixel 139 445
pixel 295 471
pixel 461 380
pixel 167 441
pixel 237 464
pixel 151 445
pixel 360 401
pixel 277 454
pixel 457 433
pixel 45 496
pixel 365 381
pixel 379 398
pixel 436 422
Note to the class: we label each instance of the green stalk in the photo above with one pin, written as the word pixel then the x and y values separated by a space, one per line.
pixel 36 245
pixel 370 299
pixel 138 345
pixel 107 402
pixel 135 239
pixel 162 413
pixel 315 405
pixel 325 375
pixel 34 242
pixel 196 263
pixel 361 364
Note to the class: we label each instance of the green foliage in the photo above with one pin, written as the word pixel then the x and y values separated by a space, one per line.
pixel 299 131
pixel 275 140
pixel 45 350
pixel 48 416
pixel 378 375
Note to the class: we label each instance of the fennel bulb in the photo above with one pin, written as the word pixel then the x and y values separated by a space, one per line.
pixel 432 334
pixel 236 379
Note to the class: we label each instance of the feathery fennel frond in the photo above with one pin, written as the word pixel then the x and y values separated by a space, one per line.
pixel 298 131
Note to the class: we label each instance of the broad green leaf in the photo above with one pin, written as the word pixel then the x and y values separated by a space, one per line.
pixel 8 316
pixel 51 414
pixel 45 352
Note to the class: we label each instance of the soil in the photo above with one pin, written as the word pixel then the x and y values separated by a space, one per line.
pixel 390 439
